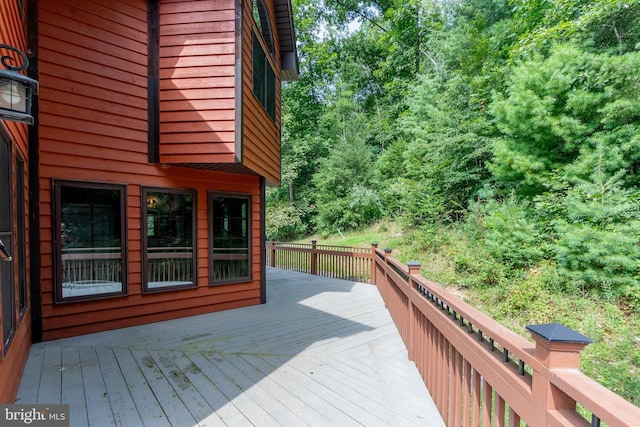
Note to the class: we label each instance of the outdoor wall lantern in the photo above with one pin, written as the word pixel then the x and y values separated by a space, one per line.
pixel 16 90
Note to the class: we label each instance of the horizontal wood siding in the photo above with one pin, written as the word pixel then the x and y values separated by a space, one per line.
pixel 94 128
pixel 197 81
pixel 261 136
pixel 13 357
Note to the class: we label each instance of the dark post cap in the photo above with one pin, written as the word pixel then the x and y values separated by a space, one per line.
pixel 414 264
pixel 388 250
pixel 556 332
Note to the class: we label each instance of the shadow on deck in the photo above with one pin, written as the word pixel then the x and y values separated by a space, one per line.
pixel 321 352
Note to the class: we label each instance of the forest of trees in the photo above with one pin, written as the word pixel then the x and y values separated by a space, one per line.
pixel 501 136
pixel 514 121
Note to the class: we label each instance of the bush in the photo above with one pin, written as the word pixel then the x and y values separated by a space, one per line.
pixel 597 247
pixel 364 208
pixel 511 235
pixel 285 222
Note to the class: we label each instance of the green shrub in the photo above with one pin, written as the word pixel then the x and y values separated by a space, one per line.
pixel 597 247
pixel 284 222
pixel 511 235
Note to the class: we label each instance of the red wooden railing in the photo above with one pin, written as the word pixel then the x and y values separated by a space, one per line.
pixel 338 262
pixel 478 371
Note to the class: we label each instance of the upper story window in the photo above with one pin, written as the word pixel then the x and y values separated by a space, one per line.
pixel 261 16
pixel 264 78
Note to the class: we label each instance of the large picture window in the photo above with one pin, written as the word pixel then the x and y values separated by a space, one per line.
pixel 90 227
pixel 230 237
pixel 169 257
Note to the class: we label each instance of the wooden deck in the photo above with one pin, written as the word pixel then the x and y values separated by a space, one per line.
pixel 321 352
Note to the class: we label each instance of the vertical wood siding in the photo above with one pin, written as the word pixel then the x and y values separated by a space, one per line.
pixel 93 75
pixel 13 358
pixel 261 136
pixel 197 81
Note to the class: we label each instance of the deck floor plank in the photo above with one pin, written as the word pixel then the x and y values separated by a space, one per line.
pixel 30 383
pixel 50 389
pixel 97 403
pixel 321 352
pixel 208 364
pixel 224 412
pixel 121 401
pixel 72 389
pixel 171 402
pixel 148 407
pixel 183 388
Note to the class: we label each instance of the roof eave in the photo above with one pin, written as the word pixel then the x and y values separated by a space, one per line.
pixel 290 68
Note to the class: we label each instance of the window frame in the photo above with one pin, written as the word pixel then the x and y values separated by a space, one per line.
pixel 194 239
pixel 249 224
pixel 7 336
pixel 58 184
pixel 264 26
pixel 23 282
pixel 266 95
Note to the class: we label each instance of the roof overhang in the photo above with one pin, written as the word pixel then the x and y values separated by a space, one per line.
pixel 287 37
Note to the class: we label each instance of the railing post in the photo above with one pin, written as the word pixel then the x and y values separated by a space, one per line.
pixel 387 255
pixel 556 347
pixel 273 252
pixel 314 257
pixel 374 246
pixel 414 269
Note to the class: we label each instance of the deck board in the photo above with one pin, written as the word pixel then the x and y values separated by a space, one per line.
pixel 321 352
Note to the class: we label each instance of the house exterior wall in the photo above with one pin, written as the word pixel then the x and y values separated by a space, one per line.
pixel 261 134
pixel 93 128
pixel 197 81
pixel 13 354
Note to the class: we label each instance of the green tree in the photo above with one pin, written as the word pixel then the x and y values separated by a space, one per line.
pixel 598 242
pixel 560 112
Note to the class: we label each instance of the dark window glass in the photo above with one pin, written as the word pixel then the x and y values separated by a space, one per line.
pixel 169 218
pixel 91 223
pixel 270 93
pixel 264 79
pixel 22 238
pixel 263 23
pixel 230 238
pixel 6 235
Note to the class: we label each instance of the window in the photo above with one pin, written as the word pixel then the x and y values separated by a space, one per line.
pixel 169 258
pixel 264 78
pixel 6 235
pixel 22 238
pixel 261 18
pixel 90 228
pixel 230 237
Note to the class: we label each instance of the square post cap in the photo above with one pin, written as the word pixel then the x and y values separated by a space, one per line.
pixel 558 333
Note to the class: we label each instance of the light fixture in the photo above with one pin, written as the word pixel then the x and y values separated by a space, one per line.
pixel 16 90
pixel 153 201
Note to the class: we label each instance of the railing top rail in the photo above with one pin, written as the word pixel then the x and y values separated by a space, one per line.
pixel 517 345
pixel 321 248
pixel 599 400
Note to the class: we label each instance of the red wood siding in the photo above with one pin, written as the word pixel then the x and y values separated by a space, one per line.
pixel 261 136
pixel 14 356
pixel 197 81
pixel 94 128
